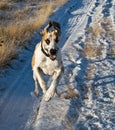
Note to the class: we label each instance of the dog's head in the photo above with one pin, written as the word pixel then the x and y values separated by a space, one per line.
pixel 50 39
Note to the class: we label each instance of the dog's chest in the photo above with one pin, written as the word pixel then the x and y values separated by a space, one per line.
pixel 49 66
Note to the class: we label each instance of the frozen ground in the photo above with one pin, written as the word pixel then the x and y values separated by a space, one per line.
pixel 86 89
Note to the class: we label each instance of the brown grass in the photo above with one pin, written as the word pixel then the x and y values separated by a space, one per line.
pixel 7 53
pixel 96 30
pixel 111 51
pixel 4 6
pixel 90 72
pixel 103 29
pixel 40 18
pixel 19 32
pixel 91 51
pixel 60 2
pixel 18 25
pixel 67 124
pixel 109 29
pixel 70 93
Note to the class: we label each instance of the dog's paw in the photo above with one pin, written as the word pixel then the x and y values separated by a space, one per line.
pixel 36 92
pixel 33 95
pixel 49 94
pixel 44 91
pixel 56 94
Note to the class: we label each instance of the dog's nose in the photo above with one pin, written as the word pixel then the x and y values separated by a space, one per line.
pixel 53 51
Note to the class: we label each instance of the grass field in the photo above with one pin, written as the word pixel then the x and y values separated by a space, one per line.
pixel 18 21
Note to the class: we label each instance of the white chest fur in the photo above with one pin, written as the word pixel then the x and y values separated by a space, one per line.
pixel 49 67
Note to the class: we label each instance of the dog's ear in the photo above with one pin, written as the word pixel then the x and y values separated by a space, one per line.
pixel 42 33
pixel 50 23
pixel 48 26
pixel 56 25
pixel 46 29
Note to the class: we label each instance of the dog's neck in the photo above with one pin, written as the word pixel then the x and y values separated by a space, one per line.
pixel 42 49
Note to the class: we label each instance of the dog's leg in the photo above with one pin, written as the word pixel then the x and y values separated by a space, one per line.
pixel 36 91
pixel 52 89
pixel 40 79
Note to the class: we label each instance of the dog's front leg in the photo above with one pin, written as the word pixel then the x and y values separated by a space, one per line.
pixel 52 89
pixel 41 82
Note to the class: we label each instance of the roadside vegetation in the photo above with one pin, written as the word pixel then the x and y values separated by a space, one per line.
pixel 99 44
pixel 100 40
pixel 18 21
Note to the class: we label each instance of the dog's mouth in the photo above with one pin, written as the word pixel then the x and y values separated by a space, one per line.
pixel 53 57
pixel 53 54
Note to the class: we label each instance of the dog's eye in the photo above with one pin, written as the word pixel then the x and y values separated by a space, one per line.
pixel 47 41
pixel 56 40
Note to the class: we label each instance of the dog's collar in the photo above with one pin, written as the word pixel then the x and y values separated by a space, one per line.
pixel 44 51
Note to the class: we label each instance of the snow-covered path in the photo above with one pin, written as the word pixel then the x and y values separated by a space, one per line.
pixel 84 103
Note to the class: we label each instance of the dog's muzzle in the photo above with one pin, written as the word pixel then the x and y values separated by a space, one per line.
pixel 53 54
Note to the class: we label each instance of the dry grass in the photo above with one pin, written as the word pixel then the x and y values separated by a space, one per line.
pixel 93 48
pixel 111 51
pixel 90 72
pixel 40 18
pixel 89 51
pixel 7 55
pixel 60 2
pixel 70 93
pixel 109 29
pixel 93 51
pixel 4 6
pixel 67 124
pixel 19 24
pixel 96 30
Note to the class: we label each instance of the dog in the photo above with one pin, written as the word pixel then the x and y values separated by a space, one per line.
pixel 47 60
